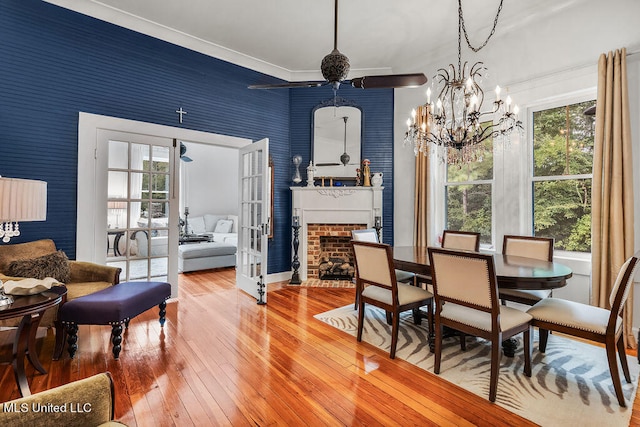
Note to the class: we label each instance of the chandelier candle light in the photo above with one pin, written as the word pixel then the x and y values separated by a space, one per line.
pixel 454 123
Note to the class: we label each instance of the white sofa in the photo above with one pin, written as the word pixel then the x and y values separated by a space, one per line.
pixel 219 252
pixel 221 228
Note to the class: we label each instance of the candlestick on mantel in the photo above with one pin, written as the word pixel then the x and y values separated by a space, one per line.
pixel 377 224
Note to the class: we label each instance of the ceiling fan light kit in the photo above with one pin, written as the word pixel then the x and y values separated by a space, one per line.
pixel 455 124
pixel 335 69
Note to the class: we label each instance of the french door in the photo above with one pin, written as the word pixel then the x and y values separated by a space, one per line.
pixel 141 204
pixel 253 221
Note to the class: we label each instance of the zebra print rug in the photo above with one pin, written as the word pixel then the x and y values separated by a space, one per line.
pixel 572 377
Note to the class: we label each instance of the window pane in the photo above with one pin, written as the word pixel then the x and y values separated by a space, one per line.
pixel 562 210
pixel 469 209
pixel 563 140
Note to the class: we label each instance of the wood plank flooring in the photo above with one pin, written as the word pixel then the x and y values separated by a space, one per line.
pixel 223 360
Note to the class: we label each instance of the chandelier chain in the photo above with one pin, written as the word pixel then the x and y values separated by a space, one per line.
pixel 464 29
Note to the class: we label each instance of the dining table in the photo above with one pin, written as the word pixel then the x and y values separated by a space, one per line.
pixel 512 272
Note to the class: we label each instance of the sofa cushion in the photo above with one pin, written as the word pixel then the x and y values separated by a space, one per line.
pixel 54 265
pixel 196 224
pixel 205 249
pixel 223 226
pixel 10 253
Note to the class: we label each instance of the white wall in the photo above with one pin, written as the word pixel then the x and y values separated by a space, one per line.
pixel 209 184
pixel 538 61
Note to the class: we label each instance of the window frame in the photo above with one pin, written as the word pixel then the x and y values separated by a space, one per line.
pixel 529 180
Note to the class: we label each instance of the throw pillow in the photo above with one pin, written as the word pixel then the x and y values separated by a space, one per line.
pixel 54 265
pixel 224 226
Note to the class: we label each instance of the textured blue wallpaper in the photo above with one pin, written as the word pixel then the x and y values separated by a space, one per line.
pixel 55 63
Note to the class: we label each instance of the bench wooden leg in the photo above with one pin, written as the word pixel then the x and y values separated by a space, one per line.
pixel 163 312
pixel 72 339
pixel 116 339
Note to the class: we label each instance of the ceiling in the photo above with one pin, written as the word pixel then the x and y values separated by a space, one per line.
pixel 289 38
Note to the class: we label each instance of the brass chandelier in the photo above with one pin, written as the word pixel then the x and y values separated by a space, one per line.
pixel 455 123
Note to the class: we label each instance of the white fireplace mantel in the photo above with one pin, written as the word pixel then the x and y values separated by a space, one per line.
pixel 333 205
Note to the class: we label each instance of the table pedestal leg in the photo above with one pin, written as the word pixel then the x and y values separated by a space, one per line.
pixel 32 354
pixel 509 347
pixel 20 346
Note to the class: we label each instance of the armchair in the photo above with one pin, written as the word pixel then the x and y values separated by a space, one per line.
pixel 88 402
pixel 86 278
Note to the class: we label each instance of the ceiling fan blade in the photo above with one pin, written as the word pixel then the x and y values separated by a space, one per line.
pixel 389 81
pixel 288 85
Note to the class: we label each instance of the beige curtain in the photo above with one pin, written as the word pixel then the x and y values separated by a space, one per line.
pixel 612 207
pixel 421 203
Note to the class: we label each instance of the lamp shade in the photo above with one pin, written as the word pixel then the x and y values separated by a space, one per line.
pixel 22 200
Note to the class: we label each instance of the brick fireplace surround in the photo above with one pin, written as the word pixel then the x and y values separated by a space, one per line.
pixel 337 247
pixel 332 211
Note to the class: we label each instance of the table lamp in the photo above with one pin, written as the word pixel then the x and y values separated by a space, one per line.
pixel 20 200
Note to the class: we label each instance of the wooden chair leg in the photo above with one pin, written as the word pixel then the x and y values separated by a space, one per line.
pixel 613 369
pixel 463 341
pixel 360 319
pixel 528 344
pixel 389 318
pixel 623 359
pixel 544 336
pixel 438 346
pixel 394 334
pixel 496 345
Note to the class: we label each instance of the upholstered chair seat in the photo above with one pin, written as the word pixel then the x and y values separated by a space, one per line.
pixel 509 317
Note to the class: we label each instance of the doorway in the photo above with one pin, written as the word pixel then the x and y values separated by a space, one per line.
pixel 93 216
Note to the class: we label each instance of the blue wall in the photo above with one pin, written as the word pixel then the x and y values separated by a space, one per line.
pixel 55 63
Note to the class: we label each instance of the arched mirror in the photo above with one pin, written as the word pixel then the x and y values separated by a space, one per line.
pixel 336 140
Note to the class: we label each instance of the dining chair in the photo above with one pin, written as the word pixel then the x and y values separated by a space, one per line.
pixel 530 247
pixel 591 323
pixel 466 300
pixel 461 240
pixel 371 235
pixel 376 278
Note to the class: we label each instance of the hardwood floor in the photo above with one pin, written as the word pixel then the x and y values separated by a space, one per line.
pixel 223 360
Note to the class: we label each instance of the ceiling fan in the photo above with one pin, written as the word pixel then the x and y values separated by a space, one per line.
pixel 335 68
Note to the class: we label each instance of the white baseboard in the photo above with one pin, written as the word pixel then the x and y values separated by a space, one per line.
pixel 279 277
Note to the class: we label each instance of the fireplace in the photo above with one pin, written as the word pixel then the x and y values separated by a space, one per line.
pixel 331 212
pixel 329 252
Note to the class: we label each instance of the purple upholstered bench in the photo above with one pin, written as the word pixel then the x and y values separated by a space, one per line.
pixel 113 306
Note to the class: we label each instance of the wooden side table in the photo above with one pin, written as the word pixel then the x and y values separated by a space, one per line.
pixel 30 308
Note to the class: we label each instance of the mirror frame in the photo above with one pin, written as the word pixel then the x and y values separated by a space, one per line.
pixel 335 102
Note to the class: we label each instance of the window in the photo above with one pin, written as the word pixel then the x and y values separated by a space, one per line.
pixel 468 195
pixel 562 171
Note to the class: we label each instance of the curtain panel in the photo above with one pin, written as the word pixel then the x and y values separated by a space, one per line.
pixel 612 205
